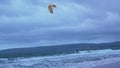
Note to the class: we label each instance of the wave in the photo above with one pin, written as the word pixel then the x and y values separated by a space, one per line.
pixel 59 61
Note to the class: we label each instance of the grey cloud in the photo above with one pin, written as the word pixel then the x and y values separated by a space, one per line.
pixel 97 21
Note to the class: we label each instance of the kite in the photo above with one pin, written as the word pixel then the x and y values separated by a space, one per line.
pixel 50 8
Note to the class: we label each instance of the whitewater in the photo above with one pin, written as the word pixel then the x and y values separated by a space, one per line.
pixel 83 59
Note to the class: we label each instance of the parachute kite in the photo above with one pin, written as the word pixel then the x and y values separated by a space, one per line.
pixel 50 7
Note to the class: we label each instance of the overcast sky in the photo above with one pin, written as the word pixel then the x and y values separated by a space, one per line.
pixel 28 23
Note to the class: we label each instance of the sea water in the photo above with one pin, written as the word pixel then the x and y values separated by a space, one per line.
pixel 83 59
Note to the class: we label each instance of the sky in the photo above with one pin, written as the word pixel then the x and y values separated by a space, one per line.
pixel 28 23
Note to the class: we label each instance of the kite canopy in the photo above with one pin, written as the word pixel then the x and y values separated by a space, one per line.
pixel 50 7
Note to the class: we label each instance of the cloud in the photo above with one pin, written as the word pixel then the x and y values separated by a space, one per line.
pixel 29 23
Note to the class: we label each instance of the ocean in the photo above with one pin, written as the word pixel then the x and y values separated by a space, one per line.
pixel 82 59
